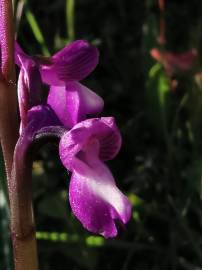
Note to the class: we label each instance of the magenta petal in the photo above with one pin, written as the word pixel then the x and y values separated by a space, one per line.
pixel 29 82
pixel 32 77
pixel 104 129
pixel 73 63
pixel 94 197
pixel 29 88
pixel 38 117
pixel 20 55
pixel 73 102
pixel 41 116
pixel 22 99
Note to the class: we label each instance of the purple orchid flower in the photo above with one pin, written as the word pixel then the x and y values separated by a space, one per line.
pixel 62 72
pixel 94 197
pixel 29 84
pixel 84 143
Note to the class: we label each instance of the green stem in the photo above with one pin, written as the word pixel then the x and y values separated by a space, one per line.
pixel 70 4
pixel 36 31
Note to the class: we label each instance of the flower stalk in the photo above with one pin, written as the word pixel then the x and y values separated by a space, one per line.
pixel 8 96
pixel 22 218
pixel 19 187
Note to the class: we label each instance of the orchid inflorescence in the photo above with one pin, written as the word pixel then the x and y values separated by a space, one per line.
pixel 86 141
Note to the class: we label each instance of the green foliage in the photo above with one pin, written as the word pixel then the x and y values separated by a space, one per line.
pixel 70 19
pixel 159 99
pixel 36 31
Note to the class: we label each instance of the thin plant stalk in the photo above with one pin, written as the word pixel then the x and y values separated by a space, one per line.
pixel 8 95
pixel 70 6
pixel 19 187
pixel 22 218
pixel 5 247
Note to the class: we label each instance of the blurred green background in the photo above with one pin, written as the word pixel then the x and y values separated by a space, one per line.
pixel 160 116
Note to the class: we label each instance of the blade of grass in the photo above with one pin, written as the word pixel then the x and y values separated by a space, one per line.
pixel 18 15
pixel 71 238
pixel 70 5
pixel 36 31
pixel 92 241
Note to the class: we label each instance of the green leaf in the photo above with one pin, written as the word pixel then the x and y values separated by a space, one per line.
pixel 70 19
pixel 36 31
pixel 87 259
pixel 158 95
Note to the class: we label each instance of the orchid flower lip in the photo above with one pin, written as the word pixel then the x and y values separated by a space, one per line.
pixel 94 197
pixel 104 129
